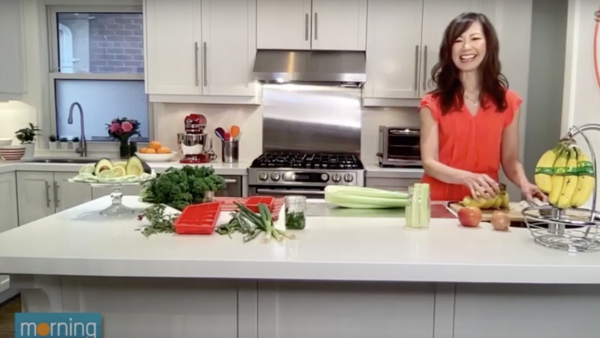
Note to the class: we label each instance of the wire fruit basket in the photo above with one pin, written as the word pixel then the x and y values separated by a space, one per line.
pixel 573 229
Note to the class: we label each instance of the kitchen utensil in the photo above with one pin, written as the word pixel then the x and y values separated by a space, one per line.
pixel 219 135
pixel 227 136
pixel 237 138
pixel 192 143
pixel 220 132
pixel 234 131
pixel 230 151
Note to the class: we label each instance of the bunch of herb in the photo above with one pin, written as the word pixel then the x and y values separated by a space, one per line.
pixel 160 222
pixel 180 187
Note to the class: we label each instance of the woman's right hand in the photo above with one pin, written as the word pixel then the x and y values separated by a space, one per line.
pixel 481 186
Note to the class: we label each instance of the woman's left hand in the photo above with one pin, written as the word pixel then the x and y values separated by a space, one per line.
pixel 530 191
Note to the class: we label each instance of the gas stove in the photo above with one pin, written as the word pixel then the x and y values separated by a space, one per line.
pixel 306 170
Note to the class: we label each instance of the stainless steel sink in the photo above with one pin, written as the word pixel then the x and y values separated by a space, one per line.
pixel 62 160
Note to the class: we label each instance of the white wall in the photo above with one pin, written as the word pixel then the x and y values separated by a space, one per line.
pixel 581 99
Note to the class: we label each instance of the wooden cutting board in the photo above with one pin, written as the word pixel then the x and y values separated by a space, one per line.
pixel 513 211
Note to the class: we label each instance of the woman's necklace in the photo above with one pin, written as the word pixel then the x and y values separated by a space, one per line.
pixel 474 102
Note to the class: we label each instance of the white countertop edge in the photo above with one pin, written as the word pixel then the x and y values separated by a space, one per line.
pixel 317 271
pixel 220 168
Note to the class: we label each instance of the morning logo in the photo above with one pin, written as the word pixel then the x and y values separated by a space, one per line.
pixel 58 325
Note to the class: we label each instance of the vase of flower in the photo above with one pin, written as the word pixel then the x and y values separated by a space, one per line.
pixel 122 129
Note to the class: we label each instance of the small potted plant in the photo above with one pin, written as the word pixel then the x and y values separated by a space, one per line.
pixel 27 137
pixel 122 129
pixel 65 143
pixel 75 140
pixel 52 142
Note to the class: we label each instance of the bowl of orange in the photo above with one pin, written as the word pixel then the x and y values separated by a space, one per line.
pixel 156 152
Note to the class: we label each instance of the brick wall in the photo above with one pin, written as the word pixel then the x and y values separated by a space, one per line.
pixel 116 43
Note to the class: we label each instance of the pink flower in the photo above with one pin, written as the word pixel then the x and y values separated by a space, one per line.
pixel 114 127
pixel 126 126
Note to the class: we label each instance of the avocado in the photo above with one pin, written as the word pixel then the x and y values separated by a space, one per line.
pixel 135 166
pixel 101 165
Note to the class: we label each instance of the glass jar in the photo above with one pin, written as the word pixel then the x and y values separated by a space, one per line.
pixel 418 206
pixel 295 212
pixel 209 196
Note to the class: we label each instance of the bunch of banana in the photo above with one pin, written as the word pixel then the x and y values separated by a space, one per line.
pixel 545 168
pixel 500 201
pixel 566 174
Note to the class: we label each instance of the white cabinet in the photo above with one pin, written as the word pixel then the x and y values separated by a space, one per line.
pixel 173 32
pixel 200 51
pixel 8 202
pixel 12 64
pixel 284 24
pixel 316 24
pixel 399 65
pixel 42 194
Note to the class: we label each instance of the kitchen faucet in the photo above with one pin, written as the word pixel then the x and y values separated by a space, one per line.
pixel 82 148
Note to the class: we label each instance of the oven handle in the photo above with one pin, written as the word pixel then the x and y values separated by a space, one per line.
pixel 295 192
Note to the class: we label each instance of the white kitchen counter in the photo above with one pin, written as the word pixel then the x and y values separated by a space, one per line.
pixel 81 242
pixel 341 278
pixel 240 168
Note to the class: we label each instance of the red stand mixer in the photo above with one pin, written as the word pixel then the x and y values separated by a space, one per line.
pixel 193 143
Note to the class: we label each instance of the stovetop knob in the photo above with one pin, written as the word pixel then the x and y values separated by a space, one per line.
pixel 324 177
pixel 275 176
pixel 348 178
pixel 263 176
pixel 336 177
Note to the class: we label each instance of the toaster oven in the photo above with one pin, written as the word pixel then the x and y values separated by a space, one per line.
pixel 399 147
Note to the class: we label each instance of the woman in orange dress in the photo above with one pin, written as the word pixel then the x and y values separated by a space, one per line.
pixel 470 122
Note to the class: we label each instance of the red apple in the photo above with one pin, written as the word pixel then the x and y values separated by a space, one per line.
pixel 469 216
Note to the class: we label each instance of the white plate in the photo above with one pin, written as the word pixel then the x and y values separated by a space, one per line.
pixel 156 157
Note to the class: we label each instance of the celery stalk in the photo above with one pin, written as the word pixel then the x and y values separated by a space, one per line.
pixel 415 214
pixel 424 208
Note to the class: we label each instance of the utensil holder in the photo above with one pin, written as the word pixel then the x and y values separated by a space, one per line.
pixel 230 151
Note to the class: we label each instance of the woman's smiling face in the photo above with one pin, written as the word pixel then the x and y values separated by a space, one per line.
pixel 469 49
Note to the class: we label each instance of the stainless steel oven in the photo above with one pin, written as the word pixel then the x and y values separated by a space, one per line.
pixel 399 147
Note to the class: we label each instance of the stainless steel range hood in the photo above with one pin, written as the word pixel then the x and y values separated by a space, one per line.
pixel 336 68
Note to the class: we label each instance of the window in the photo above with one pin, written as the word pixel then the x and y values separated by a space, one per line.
pixel 97 60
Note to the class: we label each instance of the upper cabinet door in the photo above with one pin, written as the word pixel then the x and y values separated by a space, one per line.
pixel 172 39
pixel 228 47
pixel 436 16
pixel 340 25
pixel 393 58
pixel 12 80
pixel 283 24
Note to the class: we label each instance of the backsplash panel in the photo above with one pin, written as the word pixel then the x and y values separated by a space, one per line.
pixel 168 121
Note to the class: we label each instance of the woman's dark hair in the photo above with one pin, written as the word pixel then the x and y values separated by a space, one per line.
pixel 445 74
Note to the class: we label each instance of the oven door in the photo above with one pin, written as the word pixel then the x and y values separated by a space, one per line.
pixel 277 192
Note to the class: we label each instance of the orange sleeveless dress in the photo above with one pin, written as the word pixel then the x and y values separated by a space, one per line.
pixel 468 142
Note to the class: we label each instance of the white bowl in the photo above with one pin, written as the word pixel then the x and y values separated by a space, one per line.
pixel 156 157
pixel 5 142
pixel 12 153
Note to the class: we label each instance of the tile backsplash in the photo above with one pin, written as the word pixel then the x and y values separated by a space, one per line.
pixel 168 121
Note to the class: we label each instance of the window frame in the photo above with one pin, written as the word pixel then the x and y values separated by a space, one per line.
pixel 54 59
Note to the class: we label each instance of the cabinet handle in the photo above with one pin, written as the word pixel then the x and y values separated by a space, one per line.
pixel 205 63
pixel 417 68
pixel 425 68
pixel 306 27
pixel 316 26
pixel 230 180
pixel 56 200
pixel 48 195
pixel 196 63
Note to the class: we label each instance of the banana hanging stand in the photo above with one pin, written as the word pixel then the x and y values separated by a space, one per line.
pixel 574 229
